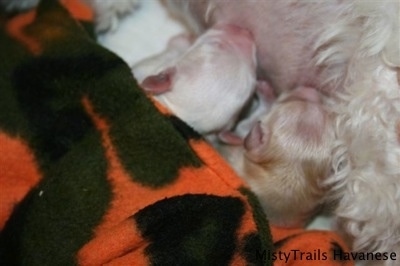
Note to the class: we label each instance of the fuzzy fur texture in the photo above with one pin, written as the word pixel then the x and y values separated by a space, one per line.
pixel 209 83
pixel 358 56
pixel 366 156
pixel 287 157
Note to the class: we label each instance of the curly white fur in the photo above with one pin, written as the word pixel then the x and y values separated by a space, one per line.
pixel 366 159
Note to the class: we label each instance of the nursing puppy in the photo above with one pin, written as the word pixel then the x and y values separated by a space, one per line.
pixel 286 33
pixel 220 65
pixel 350 50
pixel 286 157
pixel 208 85
pixel 347 49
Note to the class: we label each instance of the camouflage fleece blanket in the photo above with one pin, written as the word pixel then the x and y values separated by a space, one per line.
pixel 92 172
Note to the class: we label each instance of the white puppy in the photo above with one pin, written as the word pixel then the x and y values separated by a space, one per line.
pixel 350 47
pixel 351 50
pixel 208 85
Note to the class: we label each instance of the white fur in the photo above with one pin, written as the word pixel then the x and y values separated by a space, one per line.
pixel 358 53
pixel 214 79
pixel 367 155
pixel 141 34
pixel 287 157
pixel 366 158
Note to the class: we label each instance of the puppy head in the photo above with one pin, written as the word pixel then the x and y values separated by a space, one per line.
pixel 287 155
pixel 211 82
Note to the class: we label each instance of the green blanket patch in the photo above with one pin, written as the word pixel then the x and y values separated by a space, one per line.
pixel 41 103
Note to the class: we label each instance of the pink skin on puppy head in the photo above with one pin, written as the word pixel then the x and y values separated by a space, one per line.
pixel 218 67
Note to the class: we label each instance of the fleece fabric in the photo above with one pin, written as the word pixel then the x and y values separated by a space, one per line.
pixel 93 172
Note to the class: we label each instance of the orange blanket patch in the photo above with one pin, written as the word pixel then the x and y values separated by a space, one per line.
pixel 122 181
pixel 18 174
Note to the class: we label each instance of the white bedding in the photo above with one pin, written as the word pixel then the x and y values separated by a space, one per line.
pixel 142 33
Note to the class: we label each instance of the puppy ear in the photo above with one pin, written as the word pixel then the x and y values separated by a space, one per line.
pixel 256 142
pixel 160 83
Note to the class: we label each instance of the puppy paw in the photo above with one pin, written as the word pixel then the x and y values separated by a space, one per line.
pixel 109 12
pixel 17 5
